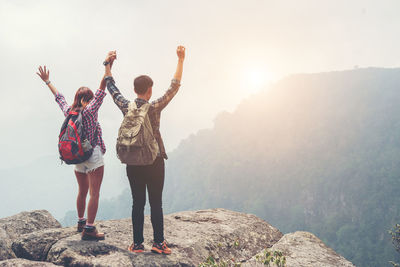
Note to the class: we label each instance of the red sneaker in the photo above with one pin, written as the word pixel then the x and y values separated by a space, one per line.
pixel 161 248
pixel 136 248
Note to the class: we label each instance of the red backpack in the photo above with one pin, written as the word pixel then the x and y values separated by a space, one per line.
pixel 73 146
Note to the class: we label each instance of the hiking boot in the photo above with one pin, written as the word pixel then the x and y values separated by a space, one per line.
pixel 81 224
pixel 161 248
pixel 136 248
pixel 91 233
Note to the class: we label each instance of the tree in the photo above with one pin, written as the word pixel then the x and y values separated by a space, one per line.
pixel 395 232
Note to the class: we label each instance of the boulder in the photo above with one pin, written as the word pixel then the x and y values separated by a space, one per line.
pixel 305 249
pixel 5 246
pixel 36 245
pixel 193 236
pixel 27 222
pixel 22 223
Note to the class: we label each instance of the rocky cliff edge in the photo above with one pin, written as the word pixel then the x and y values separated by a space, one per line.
pixel 195 237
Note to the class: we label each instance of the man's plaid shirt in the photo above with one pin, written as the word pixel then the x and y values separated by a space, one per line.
pixel 89 117
pixel 154 111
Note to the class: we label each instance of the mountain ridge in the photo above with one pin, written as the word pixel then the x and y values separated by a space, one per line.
pixel 316 152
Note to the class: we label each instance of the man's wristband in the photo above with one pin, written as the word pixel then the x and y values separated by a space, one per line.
pixel 105 63
pixel 48 82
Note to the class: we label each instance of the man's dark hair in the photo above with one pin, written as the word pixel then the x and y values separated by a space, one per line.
pixel 141 84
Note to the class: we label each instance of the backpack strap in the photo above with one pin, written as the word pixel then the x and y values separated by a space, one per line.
pixel 132 105
pixel 146 107
pixel 96 132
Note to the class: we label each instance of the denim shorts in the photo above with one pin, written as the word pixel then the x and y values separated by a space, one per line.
pixel 95 161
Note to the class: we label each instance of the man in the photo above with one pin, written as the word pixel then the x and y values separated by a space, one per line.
pixel 147 176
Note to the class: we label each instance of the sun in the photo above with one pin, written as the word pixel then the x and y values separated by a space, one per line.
pixel 255 78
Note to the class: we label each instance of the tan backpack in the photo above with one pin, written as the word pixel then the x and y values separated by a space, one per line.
pixel 136 144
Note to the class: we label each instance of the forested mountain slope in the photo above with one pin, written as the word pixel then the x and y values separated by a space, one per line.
pixel 316 152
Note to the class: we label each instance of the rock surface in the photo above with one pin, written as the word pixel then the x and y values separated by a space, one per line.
pixel 25 263
pixel 305 249
pixel 5 246
pixel 36 245
pixel 22 223
pixel 193 237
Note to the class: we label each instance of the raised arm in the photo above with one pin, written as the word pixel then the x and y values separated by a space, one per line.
pixel 108 62
pixel 118 98
pixel 163 101
pixel 96 102
pixel 103 83
pixel 44 74
pixel 180 51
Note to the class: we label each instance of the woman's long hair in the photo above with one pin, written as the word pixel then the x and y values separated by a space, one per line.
pixel 84 94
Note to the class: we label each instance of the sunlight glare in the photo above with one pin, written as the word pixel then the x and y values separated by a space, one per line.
pixel 254 79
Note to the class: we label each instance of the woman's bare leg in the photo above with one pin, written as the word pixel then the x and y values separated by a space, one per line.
pixel 83 182
pixel 95 179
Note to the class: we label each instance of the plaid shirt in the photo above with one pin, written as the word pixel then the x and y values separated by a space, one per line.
pixel 154 111
pixel 89 117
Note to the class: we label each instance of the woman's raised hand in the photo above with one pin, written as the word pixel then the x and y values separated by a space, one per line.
pixel 43 73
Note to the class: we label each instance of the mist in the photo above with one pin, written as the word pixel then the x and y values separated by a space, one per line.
pixel 227 43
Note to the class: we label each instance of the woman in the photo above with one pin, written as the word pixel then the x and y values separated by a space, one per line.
pixel 89 173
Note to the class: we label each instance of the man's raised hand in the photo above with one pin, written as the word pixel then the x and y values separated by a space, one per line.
pixel 180 51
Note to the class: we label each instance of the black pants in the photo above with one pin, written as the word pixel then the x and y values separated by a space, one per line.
pixel 152 177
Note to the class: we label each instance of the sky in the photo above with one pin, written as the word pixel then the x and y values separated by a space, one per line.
pixel 234 49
